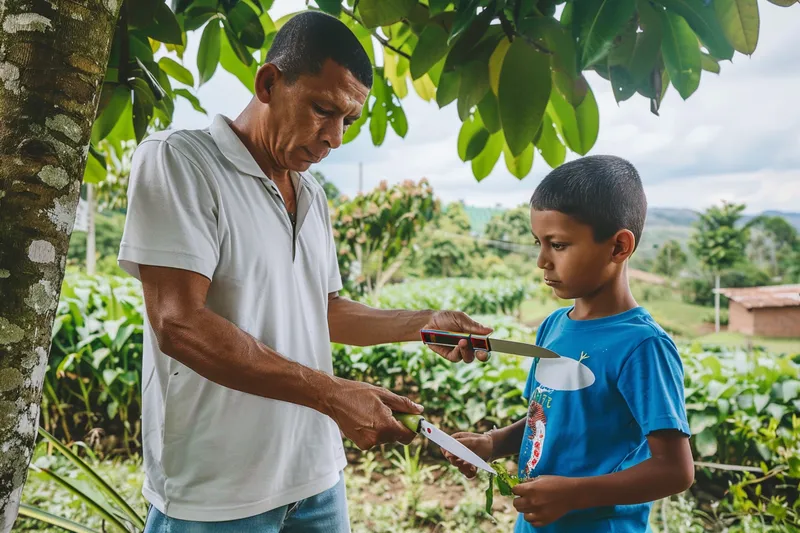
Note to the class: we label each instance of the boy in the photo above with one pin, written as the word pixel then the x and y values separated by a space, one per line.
pixel 606 431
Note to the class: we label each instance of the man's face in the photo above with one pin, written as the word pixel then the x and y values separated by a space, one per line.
pixel 308 118
pixel 574 264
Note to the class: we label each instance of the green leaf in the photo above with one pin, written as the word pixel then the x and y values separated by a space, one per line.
pixel 472 138
pixel 790 389
pixel 376 13
pixel 623 46
pixel 496 64
pixel 192 100
pixel 164 27
pixel 355 128
pixel 706 442
pixel 40 515
pixel 196 16
pixel 246 25
pixel 621 83
pixel 334 7
pixel 520 165
pixel 176 70
pixel 120 96
pixel 709 63
pixel 703 21
pixel 548 144
pixel 448 88
pixel 239 49
pixel 490 114
pixel 397 119
pixel 739 20
pixel 465 14
pixel 490 495
pixel 473 87
pixel 390 69
pixel 95 171
pixel 208 52
pixel 783 3
pixel 597 23
pixel 681 55
pixel 700 421
pixel 425 88
pixel 432 47
pixel 378 116
pixel 523 92
pixel 143 103
pixel 578 127
pixel 231 62
pixel 648 45
pixel 484 162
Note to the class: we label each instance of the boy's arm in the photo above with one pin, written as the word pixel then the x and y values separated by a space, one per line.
pixel 507 441
pixel 669 471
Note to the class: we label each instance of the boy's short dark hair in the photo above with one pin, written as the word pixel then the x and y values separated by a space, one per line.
pixel 602 191
pixel 310 38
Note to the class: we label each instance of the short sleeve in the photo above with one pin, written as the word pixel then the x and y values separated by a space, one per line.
pixel 651 382
pixel 172 213
pixel 334 275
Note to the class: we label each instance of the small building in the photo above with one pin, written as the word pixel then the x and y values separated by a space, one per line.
pixel 769 311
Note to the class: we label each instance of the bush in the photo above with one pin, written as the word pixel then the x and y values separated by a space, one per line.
pixel 711 319
pixel 472 296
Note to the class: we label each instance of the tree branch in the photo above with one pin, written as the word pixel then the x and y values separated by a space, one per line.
pixel 374 33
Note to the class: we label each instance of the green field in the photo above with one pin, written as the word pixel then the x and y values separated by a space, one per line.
pixel 684 321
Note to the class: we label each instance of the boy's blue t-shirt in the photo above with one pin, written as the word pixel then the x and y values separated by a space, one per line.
pixel 618 379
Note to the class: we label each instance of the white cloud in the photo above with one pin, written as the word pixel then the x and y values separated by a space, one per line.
pixel 737 137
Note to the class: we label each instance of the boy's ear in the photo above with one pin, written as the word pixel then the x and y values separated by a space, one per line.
pixel 624 243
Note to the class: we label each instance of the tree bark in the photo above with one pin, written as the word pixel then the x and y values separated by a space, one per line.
pixel 53 57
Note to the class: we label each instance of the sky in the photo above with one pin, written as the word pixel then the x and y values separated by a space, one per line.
pixel 737 138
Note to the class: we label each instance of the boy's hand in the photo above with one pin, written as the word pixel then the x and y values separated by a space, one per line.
pixel 545 499
pixel 479 443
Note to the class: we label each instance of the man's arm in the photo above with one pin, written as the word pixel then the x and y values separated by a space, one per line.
pixel 357 324
pixel 218 350
pixel 670 470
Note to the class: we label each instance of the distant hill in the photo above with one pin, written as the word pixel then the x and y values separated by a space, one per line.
pixel 662 224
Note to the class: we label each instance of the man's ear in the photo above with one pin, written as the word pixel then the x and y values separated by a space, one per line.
pixel 624 243
pixel 266 78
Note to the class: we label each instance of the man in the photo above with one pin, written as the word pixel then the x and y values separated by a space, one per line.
pixel 233 245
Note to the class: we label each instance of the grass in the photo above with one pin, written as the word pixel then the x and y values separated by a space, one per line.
pixel 416 493
pixel 684 321
pixel 736 340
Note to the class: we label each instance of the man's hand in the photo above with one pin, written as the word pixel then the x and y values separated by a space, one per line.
pixel 364 413
pixel 545 499
pixel 457 321
pixel 480 443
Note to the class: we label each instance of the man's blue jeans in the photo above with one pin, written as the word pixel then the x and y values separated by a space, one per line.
pixel 323 513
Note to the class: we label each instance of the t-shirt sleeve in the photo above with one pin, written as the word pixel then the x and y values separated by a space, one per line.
pixel 334 276
pixel 172 213
pixel 651 382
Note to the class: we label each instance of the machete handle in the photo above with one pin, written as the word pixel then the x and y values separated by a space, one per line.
pixel 409 420
pixel 451 338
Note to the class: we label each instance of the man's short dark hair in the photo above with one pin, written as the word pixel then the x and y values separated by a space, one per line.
pixel 602 191
pixel 308 39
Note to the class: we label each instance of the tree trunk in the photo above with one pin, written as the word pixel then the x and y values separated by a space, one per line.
pixel 716 302
pixel 53 58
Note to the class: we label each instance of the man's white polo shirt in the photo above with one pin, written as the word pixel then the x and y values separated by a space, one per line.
pixel 198 201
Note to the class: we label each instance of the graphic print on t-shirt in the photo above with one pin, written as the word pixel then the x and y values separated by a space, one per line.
pixel 563 374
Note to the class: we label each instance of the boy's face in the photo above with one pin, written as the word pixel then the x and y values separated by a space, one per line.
pixel 574 264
